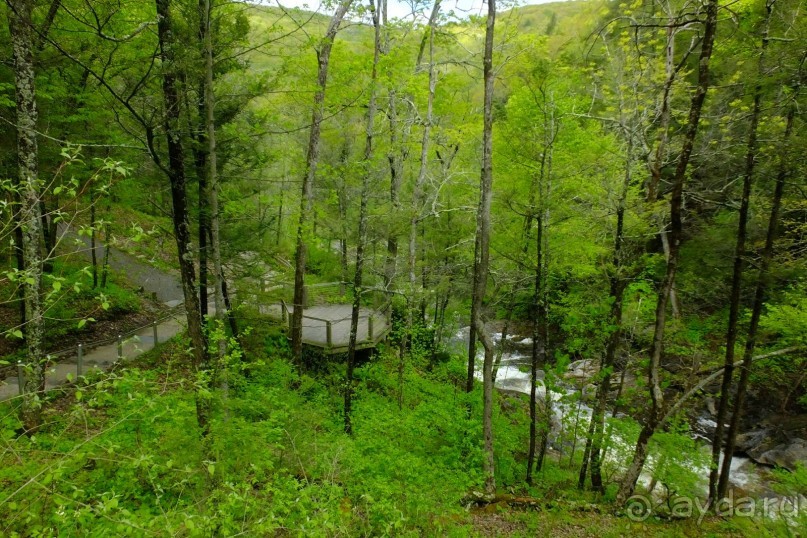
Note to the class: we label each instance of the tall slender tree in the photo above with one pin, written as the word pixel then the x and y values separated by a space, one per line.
pixel 656 411
pixel 212 169
pixel 176 175
pixel 312 161
pixel 482 253
pixel 739 254
pixel 367 175
pixel 759 294
pixel 29 187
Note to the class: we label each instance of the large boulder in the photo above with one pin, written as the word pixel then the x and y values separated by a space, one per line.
pixel 786 455
pixel 756 442
pixel 581 371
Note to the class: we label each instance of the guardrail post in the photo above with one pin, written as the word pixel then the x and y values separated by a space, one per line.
pixel 120 347
pixel 21 377
pixel 328 335
pixel 284 312
pixel 370 327
pixel 154 328
pixel 80 362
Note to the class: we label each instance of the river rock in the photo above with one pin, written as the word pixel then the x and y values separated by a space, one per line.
pixel 589 393
pixel 755 442
pixel 786 455
pixel 581 370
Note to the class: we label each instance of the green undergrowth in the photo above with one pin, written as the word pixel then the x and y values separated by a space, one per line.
pixel 145 236
pixel 121 454
pixel 71 304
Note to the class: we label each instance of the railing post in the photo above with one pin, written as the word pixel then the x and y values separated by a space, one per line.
pixel 21 377
pixel 154 328
pixel 120 347
pixel 328 335
pixel 370 327
pixel 284 312
pixel 80 362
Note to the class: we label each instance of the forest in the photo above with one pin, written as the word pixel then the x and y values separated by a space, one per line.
pixel 518 270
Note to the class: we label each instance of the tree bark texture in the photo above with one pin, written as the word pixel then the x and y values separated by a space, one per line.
pixel 482 254
pixel 628 483
pixel 176 174
pixel 617 291
pixel 212 173
pixel 756 312
pixel 737 274
pixel 307 196
pixel 29 192
pixel 362 239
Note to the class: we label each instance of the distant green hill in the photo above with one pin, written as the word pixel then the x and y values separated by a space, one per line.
pixel 558 20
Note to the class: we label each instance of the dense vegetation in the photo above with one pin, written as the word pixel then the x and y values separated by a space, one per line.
pixel 617 187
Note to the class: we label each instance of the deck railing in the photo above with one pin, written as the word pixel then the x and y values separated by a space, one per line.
pixel 77 352
pixel 383 313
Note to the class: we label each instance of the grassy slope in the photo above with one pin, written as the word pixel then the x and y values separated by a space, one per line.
pixel 122 455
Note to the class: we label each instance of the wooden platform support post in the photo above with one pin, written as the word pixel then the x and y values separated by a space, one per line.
pixel 80 361
pixel 328 333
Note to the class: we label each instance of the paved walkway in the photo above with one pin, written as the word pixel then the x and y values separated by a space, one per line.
pixel 101 357
pixel 328 326
pixel 164 286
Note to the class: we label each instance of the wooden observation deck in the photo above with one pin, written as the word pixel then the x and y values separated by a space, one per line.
pixel 326 317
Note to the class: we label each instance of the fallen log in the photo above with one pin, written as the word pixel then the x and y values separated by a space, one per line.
pixel 479 500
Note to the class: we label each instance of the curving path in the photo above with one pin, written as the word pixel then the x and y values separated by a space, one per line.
pixel 164 286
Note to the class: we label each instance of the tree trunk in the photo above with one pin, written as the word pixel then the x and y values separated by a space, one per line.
pixel 307 197
pixel 396 157
pixel 93 255
pixel 628 483
pixel 19 255
pixel 176 173
pixel 652 188
pixel 417 194
pixel 737 275
pixel 617 290
pixel 756 311
pixel 105 264
pixel 342 199
pixel 536 344
pixel 543 332
pixel 200 160
pixel 482 254
pixel 48 238
pixel 396 177
pixel 19 20
pixel 362 239
pixel 212 172
pixel 538 200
